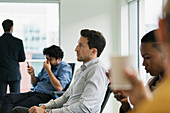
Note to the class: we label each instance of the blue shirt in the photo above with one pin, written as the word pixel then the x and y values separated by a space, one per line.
pixel 63 72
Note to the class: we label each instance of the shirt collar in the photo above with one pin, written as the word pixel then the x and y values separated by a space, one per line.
pixel 84 66
pixel 7 33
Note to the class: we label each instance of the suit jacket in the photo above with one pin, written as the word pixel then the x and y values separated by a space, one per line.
pixel 11 53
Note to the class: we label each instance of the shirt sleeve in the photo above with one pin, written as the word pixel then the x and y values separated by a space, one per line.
pixel 64 75
pixel 22 53
pixel 38 77
pixel 95 87
pixel 58 103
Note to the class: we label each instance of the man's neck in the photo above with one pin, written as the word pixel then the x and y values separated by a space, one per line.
pixel 84 62
pixel 7 32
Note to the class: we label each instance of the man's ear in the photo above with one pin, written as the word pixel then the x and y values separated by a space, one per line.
pixel 58 60
pixel 11 30
pixel 94 51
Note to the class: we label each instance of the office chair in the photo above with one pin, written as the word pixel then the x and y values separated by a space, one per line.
pixel 106 98
pixel 59 93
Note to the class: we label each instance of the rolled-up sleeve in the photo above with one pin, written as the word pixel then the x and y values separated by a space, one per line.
pixel 58 103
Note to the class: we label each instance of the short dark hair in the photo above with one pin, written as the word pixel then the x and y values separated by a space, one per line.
pixel 7 24
pixel 54 51
pixel 95 40
pixel 151 38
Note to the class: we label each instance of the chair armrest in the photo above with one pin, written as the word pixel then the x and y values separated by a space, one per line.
pixel 59 93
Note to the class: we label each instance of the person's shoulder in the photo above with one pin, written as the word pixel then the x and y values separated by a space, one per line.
pixel 17 39
pixel 9 36
pixel 99 64
pixel 64 64
pixel 98 69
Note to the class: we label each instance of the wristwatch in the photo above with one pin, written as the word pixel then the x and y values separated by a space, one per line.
pixel 48 111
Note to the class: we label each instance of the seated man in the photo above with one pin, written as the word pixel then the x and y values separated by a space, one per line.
pixel 54 76
pixel 153 59
pixel 86 93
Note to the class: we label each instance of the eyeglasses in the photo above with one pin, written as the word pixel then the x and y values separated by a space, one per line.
pixel 49 59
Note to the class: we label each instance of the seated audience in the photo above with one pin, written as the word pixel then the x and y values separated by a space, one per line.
pixel 86 93
pixel 54 76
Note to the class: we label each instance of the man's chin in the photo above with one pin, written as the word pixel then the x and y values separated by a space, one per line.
pixel 153 74
pixel 79 60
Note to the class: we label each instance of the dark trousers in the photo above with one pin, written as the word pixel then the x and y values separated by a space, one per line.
pixel 20 109
pixel 28 100
pixel 14 86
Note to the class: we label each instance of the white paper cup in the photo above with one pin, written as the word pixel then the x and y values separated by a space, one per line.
pixel 118 78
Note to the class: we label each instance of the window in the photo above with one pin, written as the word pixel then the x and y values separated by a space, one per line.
pixel 133 30
pixel 37 24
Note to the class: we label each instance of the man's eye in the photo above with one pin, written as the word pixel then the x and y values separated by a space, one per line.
pixel 147 57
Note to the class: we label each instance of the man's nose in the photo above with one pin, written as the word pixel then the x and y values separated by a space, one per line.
pixel 76 49
pixel 145 62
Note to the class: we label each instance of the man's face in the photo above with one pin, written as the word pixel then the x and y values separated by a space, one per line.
pixel 152 59
pixel 52 60
pixel 83 51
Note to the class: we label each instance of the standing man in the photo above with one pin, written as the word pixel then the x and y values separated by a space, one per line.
pixel 12 52
pixel 54 76
pixel 86 93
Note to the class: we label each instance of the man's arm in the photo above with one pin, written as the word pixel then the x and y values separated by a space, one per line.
pixel 139 92
pixel 125 107
pixel 22 53
pixel 57 103
pixel 63 74
pixel 30 70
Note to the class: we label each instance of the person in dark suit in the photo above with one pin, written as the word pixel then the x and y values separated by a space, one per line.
pixel 11 53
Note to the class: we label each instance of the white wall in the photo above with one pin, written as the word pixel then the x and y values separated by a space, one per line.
pixel 101 15
pixel 93 14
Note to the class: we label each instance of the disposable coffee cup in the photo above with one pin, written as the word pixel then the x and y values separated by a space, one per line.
pixel 119 80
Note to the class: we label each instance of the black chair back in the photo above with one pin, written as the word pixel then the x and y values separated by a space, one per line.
pixel 106 98
pixel 72 66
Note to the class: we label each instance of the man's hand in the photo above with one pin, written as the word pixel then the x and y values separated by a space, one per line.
pixel 138 92
pixel 36 109
pixel 123 99
pixel 47 66
pixel 119 96
pixel 43 106
pixel 30 69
